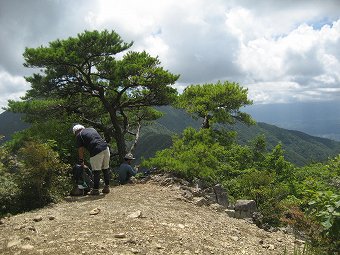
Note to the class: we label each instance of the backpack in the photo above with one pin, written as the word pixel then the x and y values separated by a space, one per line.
pixel 82 177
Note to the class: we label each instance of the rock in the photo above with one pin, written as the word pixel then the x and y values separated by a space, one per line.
pixel 167 182
pixel 13 243
pixel 135 251
pixel 32 228
pixel 159 247
pixel 200 201
pixel 210 195
pixel 245 208
pixel 51 217
pixel 2 222
pixel 217 207
pixel 95 211
pixel 230 213
pixel 120 235
pixel 234 238
pixel 257 218
pixel 37 218
pixel 187 195
pixel 136 214
pixel 27 247
pixel 221 195
pixel 181 226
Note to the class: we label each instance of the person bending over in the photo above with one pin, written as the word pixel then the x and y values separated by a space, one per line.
pixel 89 139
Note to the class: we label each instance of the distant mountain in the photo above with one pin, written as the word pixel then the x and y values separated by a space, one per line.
pixel 300 148
pixel 314 118
pixel 9 124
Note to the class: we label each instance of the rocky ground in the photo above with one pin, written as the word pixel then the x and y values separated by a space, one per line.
pixel 136 219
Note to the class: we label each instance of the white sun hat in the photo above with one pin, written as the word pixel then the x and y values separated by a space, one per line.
pixel 129 156
pixel 77 128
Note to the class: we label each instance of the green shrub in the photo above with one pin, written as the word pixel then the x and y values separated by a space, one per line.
pixel 9 190
pixel 325 208
pixel 43 177
pixel 33 178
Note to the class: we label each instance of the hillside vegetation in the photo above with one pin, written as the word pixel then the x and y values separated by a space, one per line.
pixel 299 148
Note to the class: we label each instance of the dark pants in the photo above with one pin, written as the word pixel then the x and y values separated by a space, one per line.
pixel 96 177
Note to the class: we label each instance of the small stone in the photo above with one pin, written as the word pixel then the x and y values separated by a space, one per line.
pixel 2 222
pixel 32 228
pixel 266 246
pixel 217 207
pixel 27 247
pixel 134 251
pixel 234 238
pixel 181 226
pixel 37 218
pixel 13 243
pixel 261 242
pixel 230 213
pixel 271 247
pixel 159 247
pixel 51 217
pixel 200 201
pixel 95 211
pixel 120 235
pixel 136 214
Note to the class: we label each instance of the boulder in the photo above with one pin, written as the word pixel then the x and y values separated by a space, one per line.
pixel 200 201
pixel 221 195
pixel 245 208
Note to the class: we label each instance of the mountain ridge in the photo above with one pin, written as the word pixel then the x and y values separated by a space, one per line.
pixel 300 148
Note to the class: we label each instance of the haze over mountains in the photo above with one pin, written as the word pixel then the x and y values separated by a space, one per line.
pixel 318 118
pixel 300 127
pixel 300 148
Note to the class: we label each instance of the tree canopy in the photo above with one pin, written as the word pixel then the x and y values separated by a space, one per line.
pixel 92 78
pixel 216 103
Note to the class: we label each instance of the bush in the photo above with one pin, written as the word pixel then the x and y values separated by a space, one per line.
pixel 9 190
pixel 43 177
pixel 325 209
pixel 33 179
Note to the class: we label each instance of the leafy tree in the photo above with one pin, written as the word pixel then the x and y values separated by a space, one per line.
pixel 216 103
pixel 194 155
pixel 83 77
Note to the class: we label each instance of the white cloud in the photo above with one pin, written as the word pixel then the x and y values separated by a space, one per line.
pixel 306 56
pixel 11 87
pixel 283 51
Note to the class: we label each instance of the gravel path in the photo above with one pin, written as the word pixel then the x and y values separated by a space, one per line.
pixel 135 219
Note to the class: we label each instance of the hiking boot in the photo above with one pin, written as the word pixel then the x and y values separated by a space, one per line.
pixel 94 192
pixel 106 189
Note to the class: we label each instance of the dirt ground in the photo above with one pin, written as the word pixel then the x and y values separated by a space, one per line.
pixel 135 219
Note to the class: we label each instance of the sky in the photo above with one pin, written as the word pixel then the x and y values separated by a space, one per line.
pixel 282 51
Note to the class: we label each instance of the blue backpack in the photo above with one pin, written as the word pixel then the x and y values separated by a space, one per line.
pixel 82 177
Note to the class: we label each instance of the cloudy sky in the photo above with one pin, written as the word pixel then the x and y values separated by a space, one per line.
pixel 282 51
